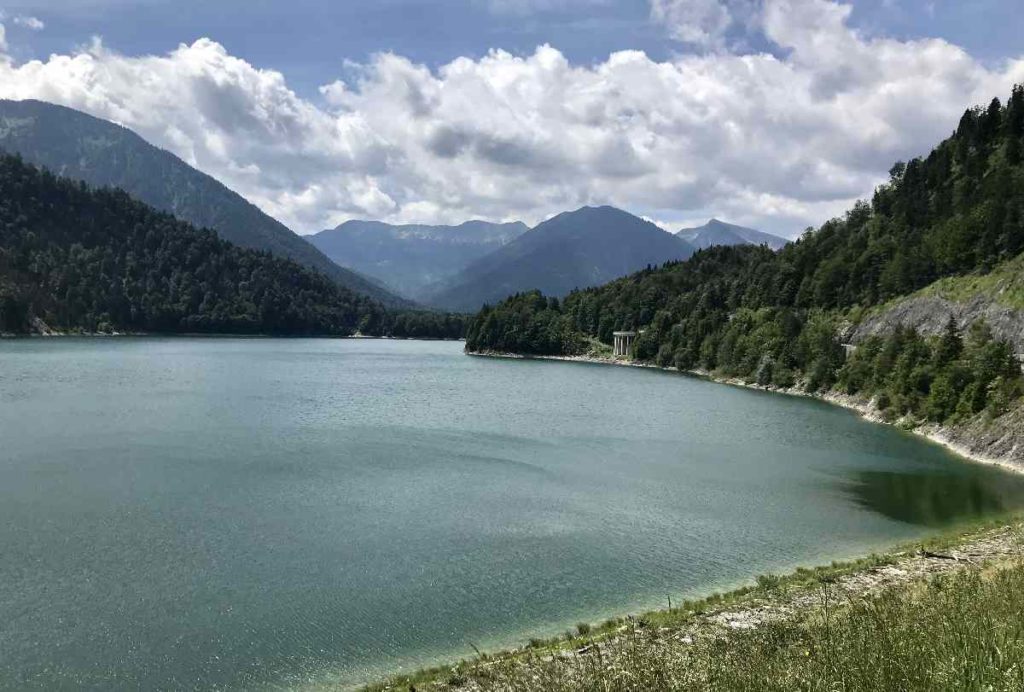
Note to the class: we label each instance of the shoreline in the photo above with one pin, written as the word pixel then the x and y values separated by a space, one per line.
pixel 932 432
pixel 793 596
pixel 207 335
pixel 788 596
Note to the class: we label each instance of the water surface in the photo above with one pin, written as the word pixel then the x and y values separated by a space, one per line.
pixel 241 513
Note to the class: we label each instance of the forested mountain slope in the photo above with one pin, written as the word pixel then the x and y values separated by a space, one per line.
pixel 73 144
pixel 775 317
pixel 575 249
pixel 79 259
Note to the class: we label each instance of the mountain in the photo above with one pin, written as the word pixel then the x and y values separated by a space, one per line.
pixel 73 144
pixel 409 258
pixel 947 230
pixel 586 247
pixel 97 260
pixel 76 259
pixel 716 232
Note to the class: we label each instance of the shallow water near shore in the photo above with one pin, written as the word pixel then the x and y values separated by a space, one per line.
pixel 245 513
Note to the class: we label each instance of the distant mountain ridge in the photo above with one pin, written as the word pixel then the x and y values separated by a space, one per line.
pixel 575 249
pixel 103 154
pixel 716 232
pixel 409 258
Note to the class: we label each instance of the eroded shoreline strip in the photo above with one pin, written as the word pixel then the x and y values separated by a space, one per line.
pixel 933 433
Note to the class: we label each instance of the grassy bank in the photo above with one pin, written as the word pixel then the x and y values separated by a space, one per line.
pixel 944 614
pixel 1004 285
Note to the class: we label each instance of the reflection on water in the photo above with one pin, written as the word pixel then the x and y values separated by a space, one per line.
pixel 937 499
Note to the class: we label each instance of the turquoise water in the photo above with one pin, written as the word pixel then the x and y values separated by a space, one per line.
pixel 239 513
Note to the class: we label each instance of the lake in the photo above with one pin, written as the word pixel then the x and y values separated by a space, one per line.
pixel 246 513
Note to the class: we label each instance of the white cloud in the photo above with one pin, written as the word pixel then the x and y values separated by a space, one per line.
pixel 3 38
pixel 704 23
pixel 32 23
pixel 700 22
pixel 776 142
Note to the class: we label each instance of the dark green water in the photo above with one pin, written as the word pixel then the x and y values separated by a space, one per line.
pixel 181 513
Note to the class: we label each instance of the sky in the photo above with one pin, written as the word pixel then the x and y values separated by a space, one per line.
pixel 772 113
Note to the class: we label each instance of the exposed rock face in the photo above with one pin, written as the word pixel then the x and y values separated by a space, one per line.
pixel 930 314
pixel 40 327
pixel 999 440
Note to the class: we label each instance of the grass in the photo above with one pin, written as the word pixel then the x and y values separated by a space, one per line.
pixel 962 631
pixel 1004 285
pixel 597 349
pixel 918 636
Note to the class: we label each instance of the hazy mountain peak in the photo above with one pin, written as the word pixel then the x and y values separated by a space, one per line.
pixel 471 231
pixel 575 249
pixel 718 232
pixel 410 257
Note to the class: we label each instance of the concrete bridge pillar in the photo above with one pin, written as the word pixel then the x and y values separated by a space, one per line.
pixel 622 343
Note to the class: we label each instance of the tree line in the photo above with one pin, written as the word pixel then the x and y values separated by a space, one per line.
pixel 96 260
